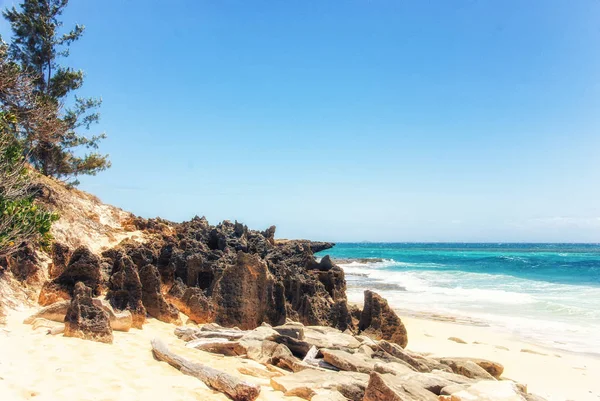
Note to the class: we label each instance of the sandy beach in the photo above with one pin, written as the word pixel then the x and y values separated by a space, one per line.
pixel 37 366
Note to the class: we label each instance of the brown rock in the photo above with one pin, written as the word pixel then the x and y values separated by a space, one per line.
pixel 191 301
pixel 467 368
pixel 60 259
pixel 152 298
pixel 379 321
pixel 457 340
pixel 83 267
pixel 493 368
pixel 84 319
pixel 246 294
pixel 125 291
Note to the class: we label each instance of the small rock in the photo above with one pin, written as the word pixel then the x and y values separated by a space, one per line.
pixel 457 340
pixel 467 368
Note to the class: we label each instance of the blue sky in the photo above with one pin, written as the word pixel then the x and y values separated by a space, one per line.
pixel 351 120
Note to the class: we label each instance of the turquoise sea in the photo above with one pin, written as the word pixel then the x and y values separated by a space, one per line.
pixel 546 293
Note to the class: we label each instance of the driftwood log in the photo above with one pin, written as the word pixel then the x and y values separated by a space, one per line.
pixel 190 333
pixel 234 387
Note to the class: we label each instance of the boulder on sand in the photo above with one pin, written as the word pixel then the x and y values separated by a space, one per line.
pixel 86 320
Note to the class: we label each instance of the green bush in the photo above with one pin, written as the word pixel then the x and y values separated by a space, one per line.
pixel 21 220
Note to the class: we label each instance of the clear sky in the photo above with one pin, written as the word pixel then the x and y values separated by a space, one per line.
pixel 351 120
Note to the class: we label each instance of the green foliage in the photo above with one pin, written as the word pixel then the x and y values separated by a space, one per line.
pixel 21 220
pixel 55 149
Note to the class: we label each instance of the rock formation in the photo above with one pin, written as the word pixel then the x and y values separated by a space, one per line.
pixel 379 321
pixel 83 267
pixel 152 298
pixel 86 320
pixel 125 290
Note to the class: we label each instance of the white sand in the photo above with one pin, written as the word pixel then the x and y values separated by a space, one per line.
pixel 36 366
pixel 557 375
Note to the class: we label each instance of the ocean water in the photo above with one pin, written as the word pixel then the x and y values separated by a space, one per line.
pixel 546 293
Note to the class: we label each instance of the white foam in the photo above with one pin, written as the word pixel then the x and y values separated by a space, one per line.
pixel 559 315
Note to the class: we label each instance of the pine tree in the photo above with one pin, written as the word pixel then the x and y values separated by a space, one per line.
pixel 38 46
pixel 21 219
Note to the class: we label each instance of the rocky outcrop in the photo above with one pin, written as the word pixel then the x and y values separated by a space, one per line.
pixel 86 320
pixel 125 290
pixel 379 321
pixel 247 295
pixel 192 301
pixel 83 267
pixel 152 298
pixel 60 258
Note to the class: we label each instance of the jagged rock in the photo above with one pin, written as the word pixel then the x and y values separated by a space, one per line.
pixel 269 234
pixel 125 290
pixel 348 362
pixel 25 265
pixel 490 391
pixel 192 302
pixel 325 264
pixel 86 320
pixel 60 258
pixel 387 387
pixel 467 368
pixel 379 321
pixel 83 267
pixel 152 298
pixel 247 294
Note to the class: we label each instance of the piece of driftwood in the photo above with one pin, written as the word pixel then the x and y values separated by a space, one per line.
pixel 56 330
pixel 234 387
pixel 191 333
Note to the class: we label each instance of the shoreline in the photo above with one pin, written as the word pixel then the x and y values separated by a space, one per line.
pixel 554 374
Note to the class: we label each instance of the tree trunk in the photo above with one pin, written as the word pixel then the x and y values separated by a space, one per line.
pixel 237 389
